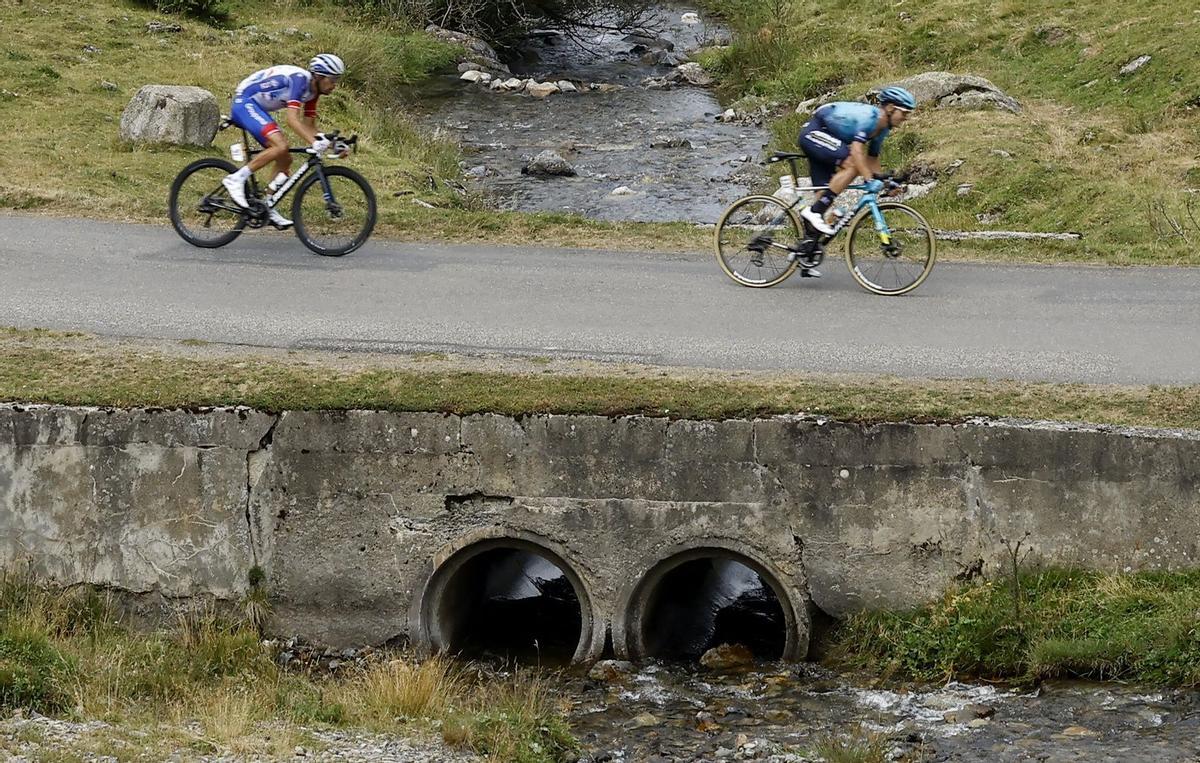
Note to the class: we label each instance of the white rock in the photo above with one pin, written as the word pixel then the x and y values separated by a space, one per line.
pixel 180 115
pixel 623 191
pixel 542 89
pixel 567 87
pixel 1134 65
pixel 690 18
pixel 513 84
pixel 485 77
pixel 471 75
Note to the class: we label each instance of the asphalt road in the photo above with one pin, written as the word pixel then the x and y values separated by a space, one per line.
pixel 1128 325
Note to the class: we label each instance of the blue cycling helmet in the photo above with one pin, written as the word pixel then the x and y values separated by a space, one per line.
pixel 327 64
pixel 898 97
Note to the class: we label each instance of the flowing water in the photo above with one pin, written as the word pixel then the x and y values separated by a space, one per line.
pixel 666 714
pixel 664 145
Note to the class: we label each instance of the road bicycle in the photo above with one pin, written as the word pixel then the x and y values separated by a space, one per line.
pixel 333 209
pixel 761 240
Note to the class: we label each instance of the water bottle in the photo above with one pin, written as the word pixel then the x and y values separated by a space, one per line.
pixel 787 192
pixel 237 152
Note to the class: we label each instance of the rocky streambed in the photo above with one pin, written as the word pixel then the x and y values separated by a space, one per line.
pixel 639 134
pixel 664 714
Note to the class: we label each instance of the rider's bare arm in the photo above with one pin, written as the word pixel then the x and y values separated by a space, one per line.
pixel 861 162
pixel 303 126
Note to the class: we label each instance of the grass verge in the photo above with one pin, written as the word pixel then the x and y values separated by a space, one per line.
pixel 68 654
pixel 1095 150
pixel 74 369
pixel 1142 627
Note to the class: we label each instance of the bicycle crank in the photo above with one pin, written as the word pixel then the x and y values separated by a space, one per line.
pixel 256 213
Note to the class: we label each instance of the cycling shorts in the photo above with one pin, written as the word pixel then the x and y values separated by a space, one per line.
pixel 825 152
pixel 249 116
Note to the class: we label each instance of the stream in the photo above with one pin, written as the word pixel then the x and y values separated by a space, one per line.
pixel 664 146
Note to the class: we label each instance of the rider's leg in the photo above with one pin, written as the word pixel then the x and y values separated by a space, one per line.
pixel 839 182
pixel 826 160
pixel 277 152
pixel 250 117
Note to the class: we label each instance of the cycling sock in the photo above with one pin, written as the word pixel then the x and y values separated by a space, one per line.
pixel 243 173
pixel 821 205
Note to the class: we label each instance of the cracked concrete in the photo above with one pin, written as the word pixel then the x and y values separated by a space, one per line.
pixel 350 513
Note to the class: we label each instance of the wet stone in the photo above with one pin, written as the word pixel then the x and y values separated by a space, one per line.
pixel 727 657
pixel 608 671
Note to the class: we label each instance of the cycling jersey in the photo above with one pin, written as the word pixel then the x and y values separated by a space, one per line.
pixel 851 122
pixel 271 90
pixel 279 86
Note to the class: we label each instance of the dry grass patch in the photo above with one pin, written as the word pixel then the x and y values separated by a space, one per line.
pixel 211 685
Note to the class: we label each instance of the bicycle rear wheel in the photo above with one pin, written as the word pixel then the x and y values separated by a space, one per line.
pixel 894 263
pixel 200 208
pixel 339 223
pixel 753 241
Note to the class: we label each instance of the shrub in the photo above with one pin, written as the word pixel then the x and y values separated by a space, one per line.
pixel 211 11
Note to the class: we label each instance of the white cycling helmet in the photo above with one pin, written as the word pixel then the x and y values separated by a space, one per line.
pixel 327 64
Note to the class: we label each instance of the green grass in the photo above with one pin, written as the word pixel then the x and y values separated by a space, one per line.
pixel 1092 152
pixel 68 653
pixel 72 162
pixel 49 368
pixel 1143 627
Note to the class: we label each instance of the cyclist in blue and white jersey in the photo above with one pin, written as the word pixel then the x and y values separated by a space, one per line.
pixel 843 140
pixel 268 91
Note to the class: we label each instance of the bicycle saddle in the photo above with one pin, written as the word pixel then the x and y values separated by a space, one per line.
pixel 783 156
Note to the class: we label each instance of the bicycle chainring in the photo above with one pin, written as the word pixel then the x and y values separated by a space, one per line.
pixel 256 214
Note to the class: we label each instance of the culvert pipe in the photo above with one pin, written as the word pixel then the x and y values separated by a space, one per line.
pixel 511 600
pixel 702 598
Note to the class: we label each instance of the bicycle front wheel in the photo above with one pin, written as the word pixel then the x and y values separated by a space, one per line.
pixel 336 222
pixel 895 262
pixel 754 239
pixel 200 208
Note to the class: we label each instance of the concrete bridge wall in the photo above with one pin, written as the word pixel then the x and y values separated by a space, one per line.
pixel 358 517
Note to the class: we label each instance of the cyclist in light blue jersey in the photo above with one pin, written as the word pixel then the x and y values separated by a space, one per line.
pixel 270 90
pixel 843 141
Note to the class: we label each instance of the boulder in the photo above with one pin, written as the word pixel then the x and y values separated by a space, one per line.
pixel 670 141
pixel 542 89
pixel 475 50
pixel 567 87
pixel 548 164
pixel 963 91
pixel 609 671
pixel 646 41
pixel 471 75
pixel 727 657
pixel 177 114
pixel 691 73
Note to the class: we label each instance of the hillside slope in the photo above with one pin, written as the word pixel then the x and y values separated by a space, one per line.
pixel 1108 154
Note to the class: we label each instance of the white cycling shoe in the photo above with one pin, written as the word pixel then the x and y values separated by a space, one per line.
pixel 237 189
pixel 278 221
pixel 816 221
